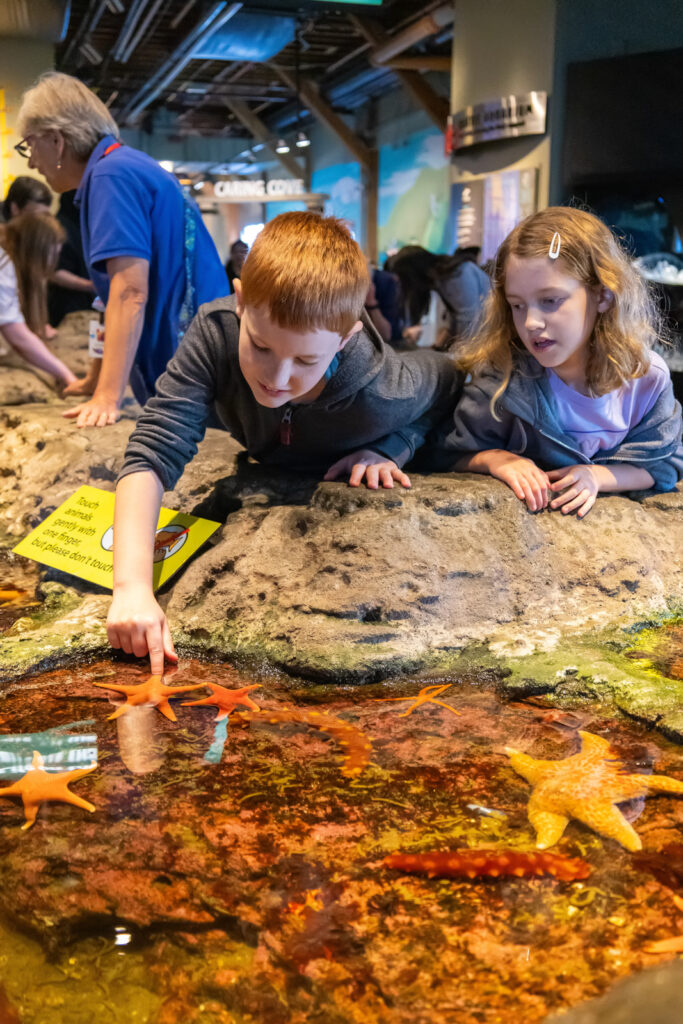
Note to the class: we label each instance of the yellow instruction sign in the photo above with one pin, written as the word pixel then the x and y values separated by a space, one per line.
pixel 78 538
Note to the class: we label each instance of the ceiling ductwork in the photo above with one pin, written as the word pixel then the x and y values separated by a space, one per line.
pixel 248 37
pixel 44 21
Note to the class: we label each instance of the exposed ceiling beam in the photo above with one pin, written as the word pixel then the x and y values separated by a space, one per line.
pixel 436 107
pixel 323 111
pixel 219 14
pixel 424 63
pixel 428 25
pixel 261 133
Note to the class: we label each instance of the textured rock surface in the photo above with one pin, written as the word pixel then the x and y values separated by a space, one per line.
pixel 653 996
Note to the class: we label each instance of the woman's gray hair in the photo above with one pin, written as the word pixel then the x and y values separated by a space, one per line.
pixel 61 103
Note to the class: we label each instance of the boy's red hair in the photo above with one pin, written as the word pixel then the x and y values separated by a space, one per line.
pixel 308 272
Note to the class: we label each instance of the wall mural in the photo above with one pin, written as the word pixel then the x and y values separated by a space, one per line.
pixel 342 182
pixel 414 182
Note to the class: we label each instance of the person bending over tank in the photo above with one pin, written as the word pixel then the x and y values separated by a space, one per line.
pixel 291 372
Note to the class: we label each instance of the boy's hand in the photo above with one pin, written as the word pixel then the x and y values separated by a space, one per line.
pixel 523 476
pixel 375 468
pixel 579 486
pixel 137 625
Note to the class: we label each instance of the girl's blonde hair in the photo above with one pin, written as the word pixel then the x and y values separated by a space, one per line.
pixel 32 241
pixel 589 252
pixel 61 103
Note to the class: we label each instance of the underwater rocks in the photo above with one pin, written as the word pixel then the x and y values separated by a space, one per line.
pixel 653 996
pixel 333 583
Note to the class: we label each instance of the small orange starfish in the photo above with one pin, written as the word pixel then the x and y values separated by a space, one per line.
pixel 37 785
pixel 153 691
pixel 226 700
pixel 425 696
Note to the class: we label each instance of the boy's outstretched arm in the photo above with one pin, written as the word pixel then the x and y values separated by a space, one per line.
pixel 136 624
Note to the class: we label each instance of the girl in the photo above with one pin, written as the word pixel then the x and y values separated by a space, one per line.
pixel 29 249
pixel 566 396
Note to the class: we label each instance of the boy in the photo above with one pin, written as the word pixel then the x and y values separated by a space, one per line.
pixel 289 370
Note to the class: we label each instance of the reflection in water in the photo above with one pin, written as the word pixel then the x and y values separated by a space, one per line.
pixel 141 745
pixel 58 747
pixel 220 736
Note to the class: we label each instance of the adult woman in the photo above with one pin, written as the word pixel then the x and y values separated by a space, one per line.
pixel 460 285
pixel 149 255
pixel 28 256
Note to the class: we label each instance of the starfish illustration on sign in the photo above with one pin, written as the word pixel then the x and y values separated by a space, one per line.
pixel 153 691
pixel 37 786
pixel 226 700
pixel 586 786
pixel 426 695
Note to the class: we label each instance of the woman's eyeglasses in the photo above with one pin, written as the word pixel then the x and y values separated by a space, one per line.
pixel 23 148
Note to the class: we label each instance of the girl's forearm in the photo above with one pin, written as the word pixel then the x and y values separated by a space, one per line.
pixel 136 513
pixel 35 352
pixel 483 462
pixel 65 279
pixel 622 476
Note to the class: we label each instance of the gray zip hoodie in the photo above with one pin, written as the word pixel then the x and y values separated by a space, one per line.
pixel 377 398
pixel 529 426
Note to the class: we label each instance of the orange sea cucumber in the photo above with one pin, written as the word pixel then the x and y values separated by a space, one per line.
pixel 356 746
pixel 488 864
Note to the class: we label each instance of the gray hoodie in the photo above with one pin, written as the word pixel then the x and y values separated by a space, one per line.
pixel 529 426
pixel 377 398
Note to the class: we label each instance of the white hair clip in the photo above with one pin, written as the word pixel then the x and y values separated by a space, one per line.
pixel 554 250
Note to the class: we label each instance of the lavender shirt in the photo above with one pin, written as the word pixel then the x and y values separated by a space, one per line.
pixel 602 423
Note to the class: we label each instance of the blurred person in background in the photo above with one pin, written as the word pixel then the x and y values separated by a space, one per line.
pixel 236 258
pixel 29 251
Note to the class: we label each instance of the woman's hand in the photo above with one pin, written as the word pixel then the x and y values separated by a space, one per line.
pixel 137 625
pixel 98 412
pixel 81 386
pixel 375 468
pixel 523 476
pixel 579 486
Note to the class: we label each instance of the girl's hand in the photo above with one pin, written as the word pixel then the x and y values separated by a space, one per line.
pixel 137 625
pixel 528 482
pixel 375 468
pixel 579 485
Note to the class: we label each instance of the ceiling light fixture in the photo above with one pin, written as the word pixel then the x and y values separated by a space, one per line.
pixel 302 140
pixel 282 146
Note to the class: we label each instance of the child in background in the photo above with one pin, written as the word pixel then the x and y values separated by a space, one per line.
pixel 567 399
pixel 291 372
pixel 29 249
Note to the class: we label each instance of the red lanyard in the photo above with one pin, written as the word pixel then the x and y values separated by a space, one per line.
pixel 110 149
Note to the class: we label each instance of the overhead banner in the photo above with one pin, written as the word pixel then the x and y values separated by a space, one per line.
pixel 78 538
pixel 508 117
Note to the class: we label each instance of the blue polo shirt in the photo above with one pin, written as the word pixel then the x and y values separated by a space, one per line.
pixel 130 206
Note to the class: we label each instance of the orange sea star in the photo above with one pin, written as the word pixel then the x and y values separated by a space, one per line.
pixel 153 691
pixel 425 696
pixel 226 700
pixel 586 786
pixel 37 785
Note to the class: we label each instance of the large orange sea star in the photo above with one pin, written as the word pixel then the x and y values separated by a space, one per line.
pixel 38 785
pixel 586 786
pixel 153 691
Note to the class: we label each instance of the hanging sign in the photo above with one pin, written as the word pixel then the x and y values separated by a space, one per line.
pixel 78 538
pixel 246 188
pixel 506 118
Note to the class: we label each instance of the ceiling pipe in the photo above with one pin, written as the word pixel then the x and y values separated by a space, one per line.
pixel 219 14
pixel 88 25
pixel 128 28
pixel 425 27
pixel 141 31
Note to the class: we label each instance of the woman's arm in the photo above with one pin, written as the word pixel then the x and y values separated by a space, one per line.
pixel 65 279
pixel 123 322
pixel 136 623
pixel 35 352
